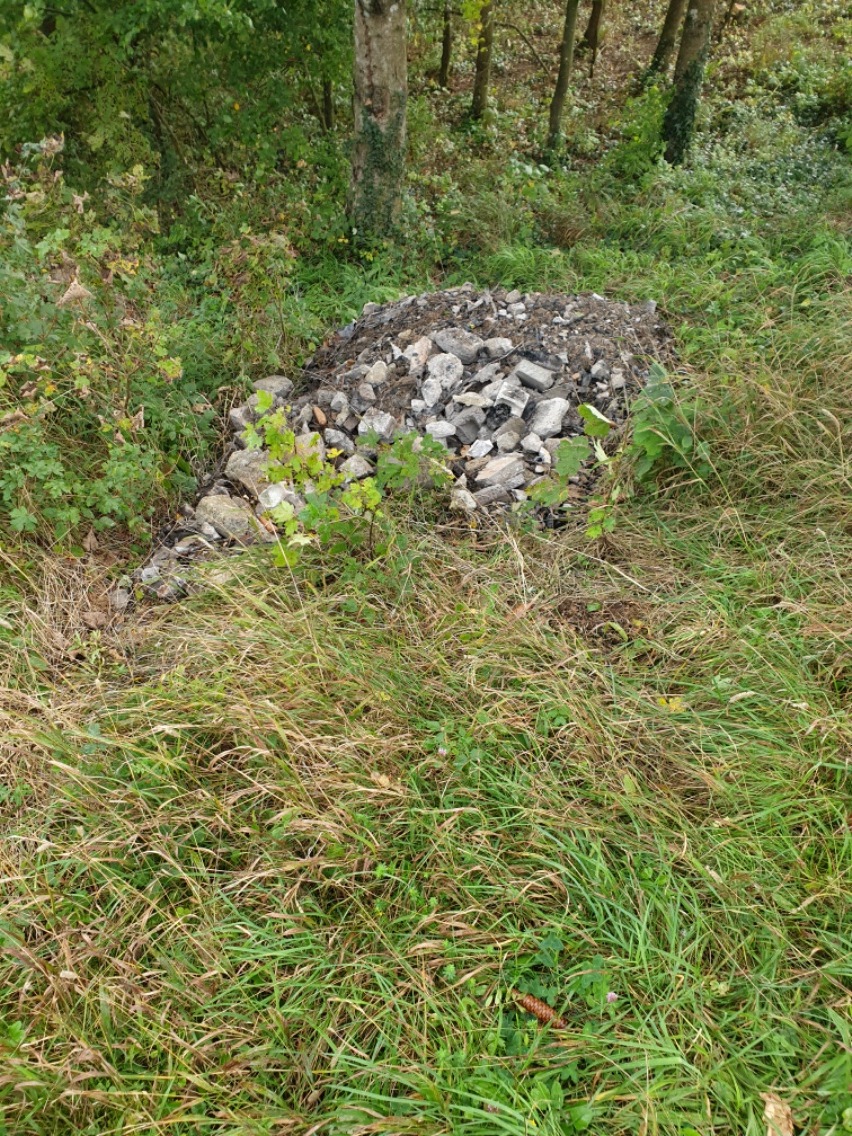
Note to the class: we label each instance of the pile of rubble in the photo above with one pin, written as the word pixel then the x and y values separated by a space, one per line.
pixel 495 377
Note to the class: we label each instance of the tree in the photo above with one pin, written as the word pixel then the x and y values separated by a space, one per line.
pixel 381 95
pixel 592 36
pixel 667 42
pixel 446 46
pixel 484 48
pixel 679 122
pixel 563 77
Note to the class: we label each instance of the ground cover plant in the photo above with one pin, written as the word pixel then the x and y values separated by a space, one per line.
pixel 285 857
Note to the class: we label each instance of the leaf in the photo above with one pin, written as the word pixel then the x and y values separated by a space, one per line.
pixel 75 292
pixel 570 455
pixel 90 541
pixel 777 1114
pixel 596 425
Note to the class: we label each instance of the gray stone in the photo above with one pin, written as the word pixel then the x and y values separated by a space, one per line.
pixel 480 448
pixel 366 392
pixel 467 424
pixel 534 376
pixel 511 395
pixel 601 370
pixel 532 443
pixel 119 598
pixel 512 297
pixel 440 429
pixel 463 501
pixel 239 417
pixel 447 369
pixel 339 403
pixel 380 421
pixel 310 445
pixel 356 468
pixel 518 309
pixel 280 493
pixel 514 425
pixel 432 391
pixel 508 441
pixel 497 347
pixel 249 469
pixel 377 374
pixel 548 415
pixel 418 406
pixel 459 342
pixel 471 398
pixel 232 518
pixel 337 440
pixel 492 495
pixel 417 355
pixel 279 386
pixel 490 373
pixel 617 381
pixel 508 471
pixel 370 309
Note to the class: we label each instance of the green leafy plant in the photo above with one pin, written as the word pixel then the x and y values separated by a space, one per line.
pixel 663 432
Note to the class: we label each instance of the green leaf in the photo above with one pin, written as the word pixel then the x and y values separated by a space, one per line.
pixel 570 455
pixel 596 425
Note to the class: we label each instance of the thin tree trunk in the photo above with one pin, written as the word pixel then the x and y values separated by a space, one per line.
pixel 591 40
pixel 679 123
pixel 381 94
pixel 446 47
pixel 662 57
pixel 484 46
pixel 563 77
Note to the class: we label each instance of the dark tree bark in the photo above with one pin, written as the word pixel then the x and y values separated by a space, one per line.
pixel 328 104
pixel 563 77
pixel 381 95
pixel 662 57
pixel 591 40
pixel 446 47
pixel 679 122
pixel 484 49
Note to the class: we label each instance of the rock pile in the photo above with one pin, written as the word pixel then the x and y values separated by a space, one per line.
pixel 495 377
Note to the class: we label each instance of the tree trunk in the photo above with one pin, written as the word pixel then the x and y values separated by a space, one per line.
pixel 482 76
pixel 679 122
pixel 446 47
pixel 668 38
pixel 563 77
pixel 381 94
pixel 591 40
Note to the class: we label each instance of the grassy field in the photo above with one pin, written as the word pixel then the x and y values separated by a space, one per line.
pixel 283 857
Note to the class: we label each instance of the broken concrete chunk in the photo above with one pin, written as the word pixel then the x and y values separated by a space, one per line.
pixel 468 423
pixel 601 370
pixel 366 392
pixel 377 374
pixel 531 444
pixel 279 386
pixel 432 391
pixel 508 471
pixel 232 518
pixel 356 468
pixel 380 421
pixel 497 347
pixel 248 469
pixel 447 369
pixel 471 398
pixel 509 441
pixel 337 440
pixel 480 448
pixel 547 417
pixel 463 500
pixel 492 495
pixel 511 395
pixel 533 375
pixel 440 429
pixel 280 493
pixel 459 342
pixel 310 446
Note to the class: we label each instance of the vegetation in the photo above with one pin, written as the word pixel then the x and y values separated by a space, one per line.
pixel 281 858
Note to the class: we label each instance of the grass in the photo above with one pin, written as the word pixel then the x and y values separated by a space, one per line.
pixel 280 858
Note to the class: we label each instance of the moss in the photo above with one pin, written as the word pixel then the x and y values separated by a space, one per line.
pixel 679 122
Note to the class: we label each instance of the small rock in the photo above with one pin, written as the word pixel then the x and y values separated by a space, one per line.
pixel 239 417
pixel 249 469
pixel 432 391
pixel 548 415
pixel 377 373
pixel 512 297
pixel 380 421
pixel 279 386
pixel 511 395
pixel 447 369
pixel 497 347
pixel 440 429
pixel 366 392
pixel 467 424
pixel 417 355
pixel 509 441
pixel 532 443
pixel 492 495
pixel 339 403
pixel 488 374
pixel 418 406
pixel 518 309
pixel 471 398
pixel 534 376
pixel 370 309
pixel 337 440
pixel 232 518
pixel 600 370
pixel 514 425
pixel 309 446
pixel 617 382
pixel 356 468
pixel 459 342
pixel 119 599
pixel 480 448
pixel 280 493
pixel 507 471
pixel 463 501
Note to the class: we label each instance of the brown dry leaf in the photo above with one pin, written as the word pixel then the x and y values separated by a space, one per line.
pixel 319 416
pixel 777 1114
pixel 75 292
pixel 137 422
pixel 90 541
pixel 95 620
